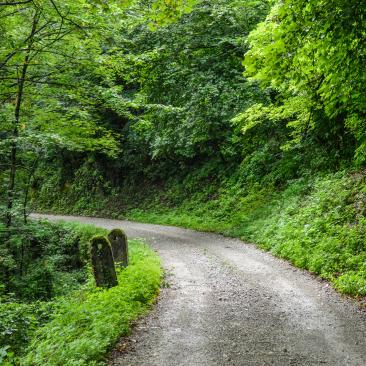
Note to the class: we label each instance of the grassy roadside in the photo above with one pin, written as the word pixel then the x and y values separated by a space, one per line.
pixel 319 225
pixel 53 266
pixel 77 323
pixel 86 324
pixel 316 222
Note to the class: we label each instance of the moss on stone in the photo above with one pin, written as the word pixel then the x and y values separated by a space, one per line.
pixel 102 262
pixel 119 244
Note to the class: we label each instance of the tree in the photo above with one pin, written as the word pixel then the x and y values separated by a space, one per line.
pixel 50 55
pixel 312 53
pixel 43 48
pixel 45 44
pixel 180 85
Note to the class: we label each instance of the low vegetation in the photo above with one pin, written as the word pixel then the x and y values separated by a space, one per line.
pixel 59 316
pixel 317 224
pixel 86 324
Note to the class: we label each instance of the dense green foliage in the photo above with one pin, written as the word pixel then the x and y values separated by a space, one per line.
pixel 86 324
pixel 18 323
pixel 178 100
pixel 54 263
pixel 51 260
pixel 244 117
pixel 312 54
pixel 94 319
pixel 190 82
pixel 240 116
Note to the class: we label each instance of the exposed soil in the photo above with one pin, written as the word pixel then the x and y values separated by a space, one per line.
pixel 228 303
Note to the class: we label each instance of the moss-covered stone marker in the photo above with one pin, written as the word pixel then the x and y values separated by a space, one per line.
pixel 102 262
pixel 118 240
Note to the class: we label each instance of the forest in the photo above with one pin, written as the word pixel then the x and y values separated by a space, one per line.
pixel 241 117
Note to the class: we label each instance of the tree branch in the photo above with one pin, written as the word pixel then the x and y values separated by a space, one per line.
pixel 15 3
pixel 65 17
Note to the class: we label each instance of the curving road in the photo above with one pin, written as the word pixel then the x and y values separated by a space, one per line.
pixel 228 303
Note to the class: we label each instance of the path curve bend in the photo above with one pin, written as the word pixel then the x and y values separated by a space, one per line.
pixel 229 303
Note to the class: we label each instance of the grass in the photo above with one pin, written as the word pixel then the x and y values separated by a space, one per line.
pixel 319 225
pixel 58 268
pixel 79 323
pixel 86 324
pixel 317 222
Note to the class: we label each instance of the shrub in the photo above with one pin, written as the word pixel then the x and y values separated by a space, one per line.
pixel 89 322
pixel 53 264
pixel 318 224
pixel 18 323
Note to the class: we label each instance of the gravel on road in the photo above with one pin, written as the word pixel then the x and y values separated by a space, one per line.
pixel 227 303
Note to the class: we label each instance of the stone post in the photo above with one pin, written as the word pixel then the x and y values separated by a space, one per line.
pixel 102 262
pixel 118 240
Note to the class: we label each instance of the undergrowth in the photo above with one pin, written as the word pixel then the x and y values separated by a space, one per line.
pixel 53 264
pixel 318 225
pixel 73 322
pixel 316 220
pixel 89 322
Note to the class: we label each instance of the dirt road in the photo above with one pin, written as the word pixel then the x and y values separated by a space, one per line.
pixel 228 303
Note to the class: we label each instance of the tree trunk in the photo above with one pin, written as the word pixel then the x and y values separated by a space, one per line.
pixel 15 132
pixel 14 143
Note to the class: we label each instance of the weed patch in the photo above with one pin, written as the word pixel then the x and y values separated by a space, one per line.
pixel 89 322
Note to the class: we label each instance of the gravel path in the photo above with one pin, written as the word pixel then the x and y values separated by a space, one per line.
pixel 229 303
